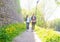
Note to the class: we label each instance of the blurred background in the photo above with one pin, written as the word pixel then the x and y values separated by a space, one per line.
pixel 47 12
pixel 13 14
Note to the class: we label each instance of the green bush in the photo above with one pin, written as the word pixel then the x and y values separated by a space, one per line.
pixel 47 35
pixel 55 24
pixel 8 32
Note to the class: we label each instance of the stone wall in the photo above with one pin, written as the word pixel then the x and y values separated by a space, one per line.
pixel 9 12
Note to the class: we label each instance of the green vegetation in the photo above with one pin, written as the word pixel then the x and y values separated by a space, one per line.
pixel 55 24
pixel 46 32
pixel 8 32
pixel 24 13
pixel 57 2
pixel 47 35
pixel 38 13
pixel 18 8
pixel 40 18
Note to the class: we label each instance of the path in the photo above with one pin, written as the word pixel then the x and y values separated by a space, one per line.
pixel 27 37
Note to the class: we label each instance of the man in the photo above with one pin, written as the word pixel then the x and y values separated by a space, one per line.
pixel 33 18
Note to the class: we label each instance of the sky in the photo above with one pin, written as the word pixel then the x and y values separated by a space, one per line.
pixel 28 4
pixel 49 8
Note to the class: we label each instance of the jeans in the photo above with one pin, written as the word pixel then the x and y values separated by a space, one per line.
pixel 27 25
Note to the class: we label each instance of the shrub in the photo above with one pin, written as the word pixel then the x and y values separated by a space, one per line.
pixel 55 24
pixel 47 35
pixel 8 32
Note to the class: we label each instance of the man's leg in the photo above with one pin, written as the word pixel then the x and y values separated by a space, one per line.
pixel 33 26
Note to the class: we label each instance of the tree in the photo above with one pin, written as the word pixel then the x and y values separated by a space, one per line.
pixel 40 17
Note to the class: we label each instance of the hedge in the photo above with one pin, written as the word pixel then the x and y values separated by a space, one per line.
pixel 47 35
pixel 8 32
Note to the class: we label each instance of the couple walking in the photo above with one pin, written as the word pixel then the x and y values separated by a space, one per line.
pixel 31 19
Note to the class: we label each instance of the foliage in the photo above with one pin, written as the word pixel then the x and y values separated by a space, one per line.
pixel 24 13
pixel 8 32
pixel 40 17
pixel 55 24
pixel 57 2
pixel 47 35
pixel 18 7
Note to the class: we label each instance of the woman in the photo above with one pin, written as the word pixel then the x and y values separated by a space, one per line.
pixel 27 22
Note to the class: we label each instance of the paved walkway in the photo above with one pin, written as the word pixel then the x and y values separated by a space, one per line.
pixel 27 37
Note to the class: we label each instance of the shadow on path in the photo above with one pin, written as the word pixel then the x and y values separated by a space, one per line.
pixel 25 37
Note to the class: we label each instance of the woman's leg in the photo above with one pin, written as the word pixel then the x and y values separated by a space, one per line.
pixel 27 25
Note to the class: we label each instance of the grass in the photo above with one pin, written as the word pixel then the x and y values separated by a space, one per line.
pixel 9 32
pixel 47 35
